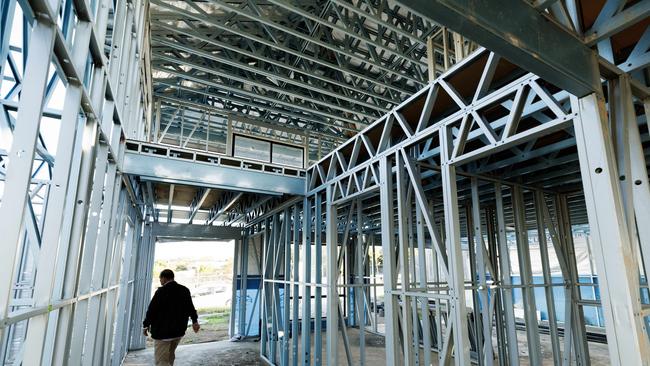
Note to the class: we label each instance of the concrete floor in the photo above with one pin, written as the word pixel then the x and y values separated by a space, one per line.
pixel 598 352
pixel 375 353
pixel 222 353
pixel 247 353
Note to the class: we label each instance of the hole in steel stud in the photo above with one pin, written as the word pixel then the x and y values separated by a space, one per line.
pixel 622 177
pixel 637 182
pixel 599 170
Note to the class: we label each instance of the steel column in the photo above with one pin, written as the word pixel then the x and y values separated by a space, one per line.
pixel 628 342
pixel 388 245
pixel 456 273
pixel 332 245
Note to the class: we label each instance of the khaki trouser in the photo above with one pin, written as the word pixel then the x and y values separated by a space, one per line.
pixel 164 352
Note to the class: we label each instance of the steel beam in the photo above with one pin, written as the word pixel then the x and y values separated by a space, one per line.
pixel 169 203
pixel 216 212
pixel 194 232
pixel 197 202
pixel 175 171
pixel 524 39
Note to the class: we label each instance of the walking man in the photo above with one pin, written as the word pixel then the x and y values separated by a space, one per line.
pixel 167 316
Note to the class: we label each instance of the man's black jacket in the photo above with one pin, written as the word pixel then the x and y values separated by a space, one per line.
pixel 168 311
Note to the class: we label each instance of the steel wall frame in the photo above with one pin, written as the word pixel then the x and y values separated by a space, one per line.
pixel 426 148
pixel 83 252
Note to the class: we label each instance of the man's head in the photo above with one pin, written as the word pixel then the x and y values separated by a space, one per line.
pixel 165 276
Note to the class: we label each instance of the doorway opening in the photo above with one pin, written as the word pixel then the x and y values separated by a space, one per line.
pixel 206 269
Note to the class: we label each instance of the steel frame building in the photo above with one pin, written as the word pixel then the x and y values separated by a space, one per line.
pixel 408 169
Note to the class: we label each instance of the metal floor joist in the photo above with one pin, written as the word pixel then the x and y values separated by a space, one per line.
pixel 380 172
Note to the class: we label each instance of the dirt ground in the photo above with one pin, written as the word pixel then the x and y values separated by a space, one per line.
pixel 214 327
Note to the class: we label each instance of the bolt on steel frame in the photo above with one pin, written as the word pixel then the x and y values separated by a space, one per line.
pixel 433 184
pixel 75 247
